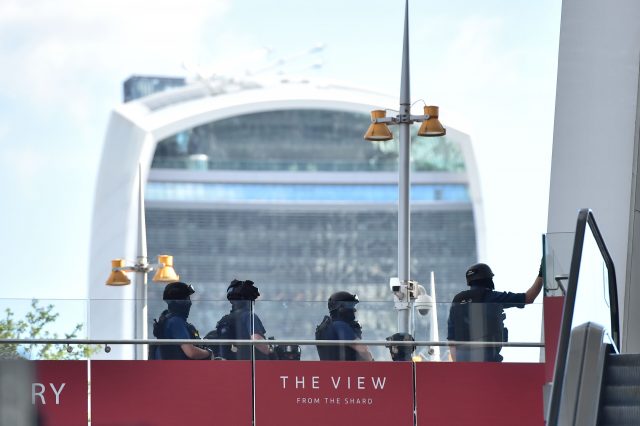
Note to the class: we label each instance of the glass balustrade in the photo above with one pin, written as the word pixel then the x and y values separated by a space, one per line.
pixel 39 322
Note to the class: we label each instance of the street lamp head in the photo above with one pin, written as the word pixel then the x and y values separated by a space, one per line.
pixel 165 273
pixel 432 127
pixel 378 132
pixel 117 276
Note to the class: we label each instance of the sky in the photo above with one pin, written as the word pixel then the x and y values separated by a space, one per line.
pixel 490 65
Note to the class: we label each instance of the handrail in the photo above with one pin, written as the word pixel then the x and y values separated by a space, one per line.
pixel 249 342
pixel 585 216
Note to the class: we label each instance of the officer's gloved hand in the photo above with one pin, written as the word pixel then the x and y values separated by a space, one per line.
pixel 540 271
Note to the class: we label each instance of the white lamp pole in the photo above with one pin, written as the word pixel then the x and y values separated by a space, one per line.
pixel 405 289
pixel 141 269
pixel 404 181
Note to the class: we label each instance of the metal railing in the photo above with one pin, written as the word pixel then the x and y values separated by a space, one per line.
pixel 585 217
pixel 248 342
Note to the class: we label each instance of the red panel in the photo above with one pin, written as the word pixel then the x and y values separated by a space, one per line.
pixel 479 394
pixel 334 393
pixel 158 393
pixel 552 321
pixel 60 392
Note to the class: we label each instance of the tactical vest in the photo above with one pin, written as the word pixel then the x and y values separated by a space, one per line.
pixel 227 328
pixel 158 352
pixel 475 320
pixel 324 331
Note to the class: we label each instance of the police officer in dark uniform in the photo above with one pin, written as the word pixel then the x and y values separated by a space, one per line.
pixel 242 323
pixel 341 324
pixel 478 314
pixel 173 325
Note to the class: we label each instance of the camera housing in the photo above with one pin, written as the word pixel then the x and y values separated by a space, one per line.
pixel 424 304
pixel 394 284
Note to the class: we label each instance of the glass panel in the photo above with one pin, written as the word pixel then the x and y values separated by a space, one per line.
pixel 558 249
pixel 43 319
pixel 279 319
pixel 592 296
pixel 481 322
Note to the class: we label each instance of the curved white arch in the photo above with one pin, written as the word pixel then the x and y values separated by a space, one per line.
pixel 134 130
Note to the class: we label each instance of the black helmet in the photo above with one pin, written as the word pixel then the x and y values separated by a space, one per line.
pixel 479 271
pixel 242 290
pixel 401 353
pixel 288 352
pixel 342 299
pixel 177 291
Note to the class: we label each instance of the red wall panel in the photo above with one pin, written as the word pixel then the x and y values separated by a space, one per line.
pixel 470 393
pixel 59 392
pixel 159 393
pixel 334 393
pixel 553 307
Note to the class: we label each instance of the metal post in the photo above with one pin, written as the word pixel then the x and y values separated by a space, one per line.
pixel 17 398
pixel 141 273
pixel 404 182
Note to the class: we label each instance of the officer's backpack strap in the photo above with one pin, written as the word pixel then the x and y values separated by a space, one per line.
pixel 320 329
pixel 158 332
pixel 225 329
pixel 324 352
pixel 193 331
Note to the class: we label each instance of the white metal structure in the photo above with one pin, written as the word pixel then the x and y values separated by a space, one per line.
pixel 595 141
pixel 133 132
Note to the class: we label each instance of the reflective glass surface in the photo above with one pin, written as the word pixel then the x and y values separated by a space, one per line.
pixel 230 192
pixel 558 248
pixel 308 253
pixel 298 140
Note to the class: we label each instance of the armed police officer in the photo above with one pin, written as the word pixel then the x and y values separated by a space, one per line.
pixel 341 324
pixel 242 323
pixel 173 325
pixel 477 314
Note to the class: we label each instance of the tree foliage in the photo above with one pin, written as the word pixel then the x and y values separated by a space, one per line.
pixel 35 325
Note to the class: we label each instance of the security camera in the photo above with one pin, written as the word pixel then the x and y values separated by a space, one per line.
pixel 394 284
pixel 424 302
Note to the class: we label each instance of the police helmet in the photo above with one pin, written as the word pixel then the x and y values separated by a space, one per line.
pixel 342 299
pixel 177 291
pixel 401 353
pixel 479 271
pixel 288 352
pixel 242 290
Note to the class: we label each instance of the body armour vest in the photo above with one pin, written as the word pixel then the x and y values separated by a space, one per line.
pixel 160 331
pixel 326 331
pixel 475 320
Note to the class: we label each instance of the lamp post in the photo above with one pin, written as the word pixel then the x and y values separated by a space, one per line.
pixel 141 267
pixel 405 292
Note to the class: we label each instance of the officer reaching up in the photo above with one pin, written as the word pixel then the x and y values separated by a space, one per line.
pixel 478 314
pixel 173 325
pixel 341 324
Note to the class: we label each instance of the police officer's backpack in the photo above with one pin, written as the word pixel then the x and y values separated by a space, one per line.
pixel 223 330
